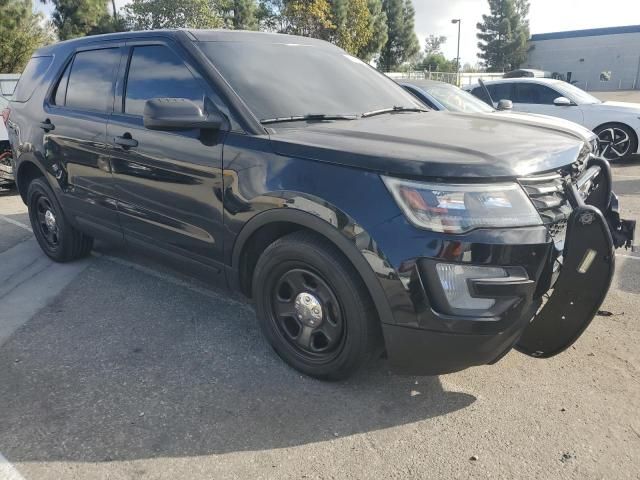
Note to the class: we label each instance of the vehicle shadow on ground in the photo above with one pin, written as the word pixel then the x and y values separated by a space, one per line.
pixel 124 366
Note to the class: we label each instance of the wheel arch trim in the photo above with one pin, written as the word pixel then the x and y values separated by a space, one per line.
pixel 312 222
pixel 21 166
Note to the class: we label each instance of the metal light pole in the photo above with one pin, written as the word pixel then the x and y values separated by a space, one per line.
pixel 459 22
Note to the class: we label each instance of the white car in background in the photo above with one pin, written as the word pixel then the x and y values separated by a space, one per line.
pixel 617 124
pixel 445 97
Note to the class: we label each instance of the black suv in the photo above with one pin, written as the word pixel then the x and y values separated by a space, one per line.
pixel 356 220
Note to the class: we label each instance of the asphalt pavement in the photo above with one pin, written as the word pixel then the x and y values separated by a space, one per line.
pixel 121 367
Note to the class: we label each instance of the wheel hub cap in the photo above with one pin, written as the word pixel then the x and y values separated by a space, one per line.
pixel 50 220
pixel 308 309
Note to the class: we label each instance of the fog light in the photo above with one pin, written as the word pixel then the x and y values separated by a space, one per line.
pixel 454 280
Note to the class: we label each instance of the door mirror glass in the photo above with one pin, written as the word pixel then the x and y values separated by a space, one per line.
pixel 178 114
pixel 505 105
pixel 562 102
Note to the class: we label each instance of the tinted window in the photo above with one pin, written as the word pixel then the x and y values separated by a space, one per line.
pixel 500 91
pixel 277 79
pixel 61 89
pixel 91 80
pixel 156 72
pixel 533 93
pixel 31 77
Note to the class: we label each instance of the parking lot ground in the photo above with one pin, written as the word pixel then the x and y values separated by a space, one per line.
pixel 129 369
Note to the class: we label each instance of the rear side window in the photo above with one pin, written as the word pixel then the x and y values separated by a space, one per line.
pixel 90 85
pixel 31 77
pixel 61 89
pixel 500 91
pixel 156 72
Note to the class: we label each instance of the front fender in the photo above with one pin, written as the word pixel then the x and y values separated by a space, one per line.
pixel 352 240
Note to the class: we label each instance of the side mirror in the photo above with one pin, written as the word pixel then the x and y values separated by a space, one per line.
pixel 178 114
pixel 505 105
pixel 562 102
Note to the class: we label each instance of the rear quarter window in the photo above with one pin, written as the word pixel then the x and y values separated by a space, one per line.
pixel 31 77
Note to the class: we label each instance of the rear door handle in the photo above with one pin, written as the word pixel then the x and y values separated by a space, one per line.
pixel 125 141
pixel 47 126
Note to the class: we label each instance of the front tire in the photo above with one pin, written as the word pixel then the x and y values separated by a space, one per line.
pixel 58 239
pixel 313 307
pixel 617 141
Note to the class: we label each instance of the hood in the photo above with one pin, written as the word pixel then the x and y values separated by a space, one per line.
pixel 452 145
pixel 554 123
pixel 621 106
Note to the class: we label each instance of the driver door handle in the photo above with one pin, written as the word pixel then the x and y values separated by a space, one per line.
pixel 126 141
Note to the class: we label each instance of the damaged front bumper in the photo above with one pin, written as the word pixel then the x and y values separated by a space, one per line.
pixel 544 313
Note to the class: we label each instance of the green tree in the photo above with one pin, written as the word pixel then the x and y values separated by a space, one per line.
pixel 402 44
pixel 77 18
pixel 152 14
pixel 436 62
pixel 378 26
pixel 504 34
pixel 21 32
pixel 239 14
pixel 310 18
pixel 353 26
pixel 433 44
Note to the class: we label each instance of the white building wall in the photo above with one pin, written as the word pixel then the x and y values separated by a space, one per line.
pixel 588 57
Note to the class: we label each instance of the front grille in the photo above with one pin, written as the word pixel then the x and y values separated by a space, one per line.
pixel 548 196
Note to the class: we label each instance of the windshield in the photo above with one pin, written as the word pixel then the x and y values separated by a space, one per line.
pixel 455 99
pixel 278 80
pixel 576 94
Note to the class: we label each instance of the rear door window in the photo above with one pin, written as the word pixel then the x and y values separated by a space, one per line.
pixel 31 77
pixel 90 85
pixel 156 72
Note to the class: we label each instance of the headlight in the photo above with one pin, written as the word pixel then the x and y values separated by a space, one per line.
pixel 461 208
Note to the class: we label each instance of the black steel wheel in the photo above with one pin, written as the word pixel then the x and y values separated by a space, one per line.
pixel 46 221
pixel 307 314
pixel 617 141
pixel 314 308
pixel 55 235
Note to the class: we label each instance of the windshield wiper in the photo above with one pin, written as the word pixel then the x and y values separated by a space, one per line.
pixel 310 116
pixel 392 110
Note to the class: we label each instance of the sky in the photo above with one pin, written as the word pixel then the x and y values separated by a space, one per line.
pixel 434 17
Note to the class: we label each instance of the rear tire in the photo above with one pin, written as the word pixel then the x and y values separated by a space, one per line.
pixel 617 141
pixel 58 239
pixel 314 308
